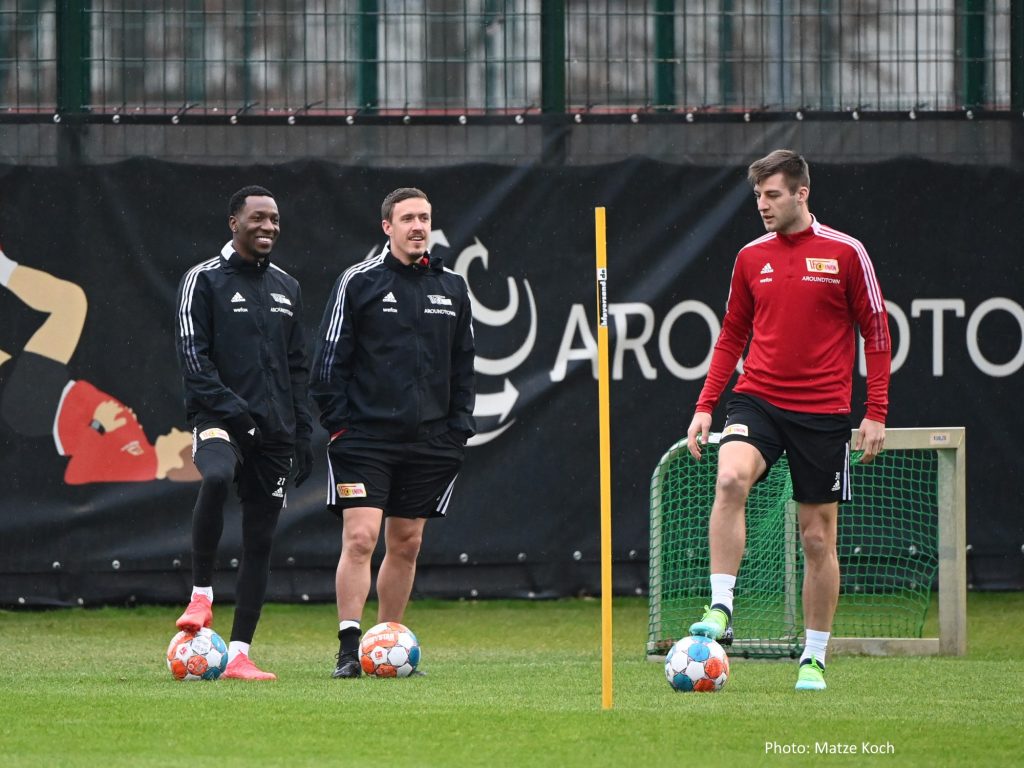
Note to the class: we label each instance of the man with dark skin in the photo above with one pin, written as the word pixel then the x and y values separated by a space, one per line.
pixel 242 352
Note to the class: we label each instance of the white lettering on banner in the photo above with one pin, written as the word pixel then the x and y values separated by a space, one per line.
pixel 636 327
pixel 621 313
pixel 938 306
pixel 578 326
pixel 958 307
pixel 665 349
pixel 578 339
pixel 984 365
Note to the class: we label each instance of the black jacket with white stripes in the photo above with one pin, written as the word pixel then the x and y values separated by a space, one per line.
pixel 394 354
pixel 242 346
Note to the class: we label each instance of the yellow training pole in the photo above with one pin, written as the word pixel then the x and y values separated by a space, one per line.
pixel 605 459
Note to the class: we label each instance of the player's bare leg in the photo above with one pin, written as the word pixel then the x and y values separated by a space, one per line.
pixel 352 578
pixel 739 466
pixel 398 570
pixel 818 532
pixel 352 583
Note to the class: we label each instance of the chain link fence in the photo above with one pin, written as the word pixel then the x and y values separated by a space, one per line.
pixel 493 63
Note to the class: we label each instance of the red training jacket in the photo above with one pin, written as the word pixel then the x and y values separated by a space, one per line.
pixel 802 295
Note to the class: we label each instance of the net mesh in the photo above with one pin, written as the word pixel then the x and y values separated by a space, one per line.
pixel 887 547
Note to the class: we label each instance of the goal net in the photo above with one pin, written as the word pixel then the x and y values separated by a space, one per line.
pixel 902 534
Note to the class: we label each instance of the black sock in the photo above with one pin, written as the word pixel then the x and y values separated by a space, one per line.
pixel 349 638
pixel 723 609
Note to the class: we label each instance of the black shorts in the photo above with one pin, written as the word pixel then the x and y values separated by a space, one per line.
pixel 410 480
pixel 261 477
pixel 817 446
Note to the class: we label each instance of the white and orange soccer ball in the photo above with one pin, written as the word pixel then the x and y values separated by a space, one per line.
pixel 697 664
pixel 389 650
pixel 198 655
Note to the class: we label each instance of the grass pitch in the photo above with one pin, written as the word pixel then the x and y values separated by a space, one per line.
pixel 508 684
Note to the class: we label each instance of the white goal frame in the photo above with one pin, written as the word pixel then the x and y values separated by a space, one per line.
pixel 949 444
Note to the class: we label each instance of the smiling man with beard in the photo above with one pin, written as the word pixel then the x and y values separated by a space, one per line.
pixel 393 377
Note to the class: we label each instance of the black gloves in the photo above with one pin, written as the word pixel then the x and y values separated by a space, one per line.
pixel 245 432
pixel 303 461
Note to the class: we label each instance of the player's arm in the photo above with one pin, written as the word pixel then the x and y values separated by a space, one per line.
pixel 193 341
pixel 298 369
pixel 736 327
pixel 463 391
pixel 332 360
pixel 865 297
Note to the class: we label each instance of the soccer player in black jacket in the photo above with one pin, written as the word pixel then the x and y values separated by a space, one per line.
pixel 393 377
pixel 242 351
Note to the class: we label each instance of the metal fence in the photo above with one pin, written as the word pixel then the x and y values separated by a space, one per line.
pixel 394 60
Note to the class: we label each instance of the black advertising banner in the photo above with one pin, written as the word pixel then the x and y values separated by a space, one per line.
pixel 86 327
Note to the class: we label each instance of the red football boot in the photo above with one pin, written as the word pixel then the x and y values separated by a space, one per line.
pixel 242 668
pixel 199 614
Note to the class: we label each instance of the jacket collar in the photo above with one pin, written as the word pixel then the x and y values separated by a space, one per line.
pixel 229 256
pixel 429 263
pixel 799 237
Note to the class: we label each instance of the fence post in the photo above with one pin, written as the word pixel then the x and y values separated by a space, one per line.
pixel 73 86
pixel 552 79
pixel 369 18
pixel 725 54
pixel 1017 57
pixel 195 53
pixel 972 50
pixel 664 54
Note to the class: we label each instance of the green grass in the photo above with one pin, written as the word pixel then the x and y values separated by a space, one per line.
pixel 508 684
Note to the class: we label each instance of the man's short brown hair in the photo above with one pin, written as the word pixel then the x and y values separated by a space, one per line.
pixel 784 161
pixel 400 194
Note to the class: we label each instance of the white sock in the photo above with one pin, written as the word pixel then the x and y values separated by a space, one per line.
pixel 207 592
pixel 816 642
pixel 348 624
pixel 721 589
pixel 236 647
pixel 6 268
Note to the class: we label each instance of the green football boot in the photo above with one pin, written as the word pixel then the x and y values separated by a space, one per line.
pixel 811 677
pixel 713 623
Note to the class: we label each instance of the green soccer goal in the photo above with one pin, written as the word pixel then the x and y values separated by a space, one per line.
pixel 903 532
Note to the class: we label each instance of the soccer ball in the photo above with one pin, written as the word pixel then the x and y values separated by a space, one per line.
pixel 198 655
pixel 389 650
pixel 697 664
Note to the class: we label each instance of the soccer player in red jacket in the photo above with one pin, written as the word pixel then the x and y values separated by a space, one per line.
pixel 797 295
